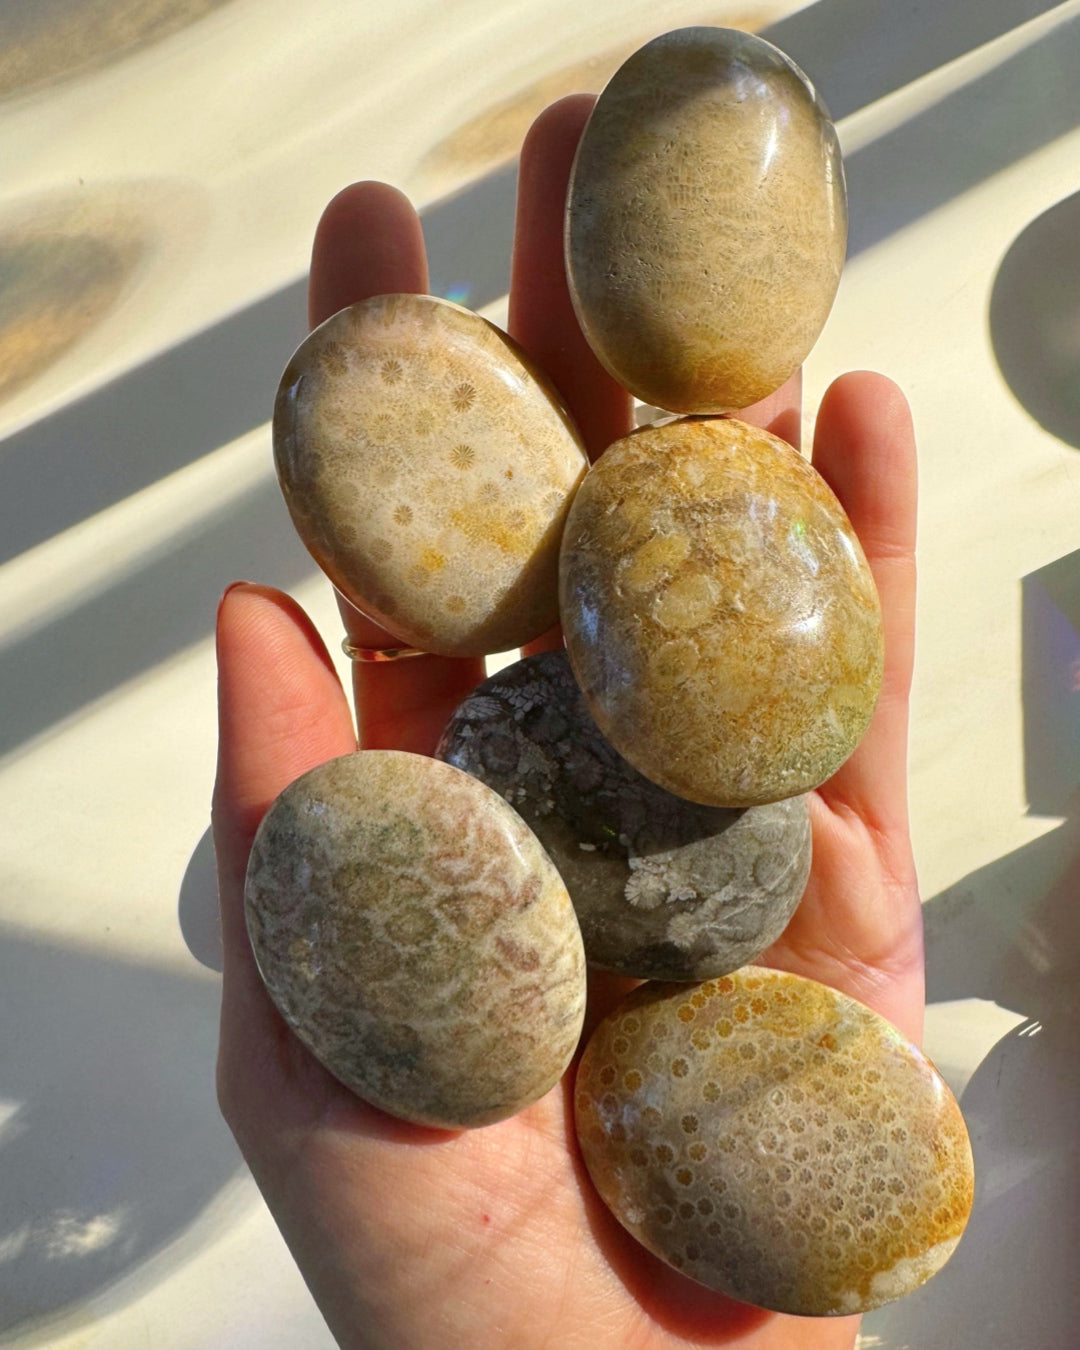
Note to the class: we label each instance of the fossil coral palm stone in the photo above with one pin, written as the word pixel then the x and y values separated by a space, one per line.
pixel 428 468
pixel 663 888
pixel 417 938
pixel 776 1141
pixel 706 220
pixel 719 613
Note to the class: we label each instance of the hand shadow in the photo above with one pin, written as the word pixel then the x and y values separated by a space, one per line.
pixel 1012 1280
pixel 115 1145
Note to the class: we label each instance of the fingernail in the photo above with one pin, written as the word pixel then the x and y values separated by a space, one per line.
pixel 232 586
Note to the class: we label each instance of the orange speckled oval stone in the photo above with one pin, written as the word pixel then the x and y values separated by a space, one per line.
pixel 776 1141
pixel 416 937
pixel 706 220
pixel 428 468
pixel 719 613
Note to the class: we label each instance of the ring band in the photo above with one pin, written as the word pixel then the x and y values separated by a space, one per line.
pixel 376 654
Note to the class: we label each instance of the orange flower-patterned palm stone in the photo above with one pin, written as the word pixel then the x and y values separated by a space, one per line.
pixel 774 1140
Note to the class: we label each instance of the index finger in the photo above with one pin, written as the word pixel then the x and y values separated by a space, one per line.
pixel 369 242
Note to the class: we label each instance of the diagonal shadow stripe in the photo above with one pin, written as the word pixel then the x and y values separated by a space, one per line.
pixel 859 52
pixel 147 615
pixel 215 386
pixel 164 414
pixel 977 131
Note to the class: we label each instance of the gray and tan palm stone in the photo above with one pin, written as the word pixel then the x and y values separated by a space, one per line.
pixel 719 613
pixel 414 934
pixel 706 221
pixel 776 1141
pixel 428 467
pixel 663 888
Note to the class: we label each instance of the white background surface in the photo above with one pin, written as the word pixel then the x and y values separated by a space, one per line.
pixel 135 482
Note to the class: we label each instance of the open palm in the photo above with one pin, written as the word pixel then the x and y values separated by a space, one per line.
pixel 410 1237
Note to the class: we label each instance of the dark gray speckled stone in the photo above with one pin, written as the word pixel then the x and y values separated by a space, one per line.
pixel 664 888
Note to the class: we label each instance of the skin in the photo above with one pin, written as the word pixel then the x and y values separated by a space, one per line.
pixel 409 1237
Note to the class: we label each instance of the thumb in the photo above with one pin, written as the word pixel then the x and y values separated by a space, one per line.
pixel 281 711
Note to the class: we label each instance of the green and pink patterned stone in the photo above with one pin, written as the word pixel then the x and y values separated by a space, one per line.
pixel 416 937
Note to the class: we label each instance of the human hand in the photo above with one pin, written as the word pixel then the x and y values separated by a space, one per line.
pixel 410 1237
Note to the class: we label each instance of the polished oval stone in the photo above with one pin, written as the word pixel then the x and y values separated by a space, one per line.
pixel 664 889
pixel 776 1141
pixel 719 613
pixel 416 937
pixel 428 467
pixel 706 221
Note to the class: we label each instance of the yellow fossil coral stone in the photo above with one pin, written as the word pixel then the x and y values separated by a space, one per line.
pixel 706 221
pixel 776 1141
pixel 719 613
pixel 428 468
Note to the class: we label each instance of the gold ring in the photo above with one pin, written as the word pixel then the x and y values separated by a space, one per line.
pixel 375 654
